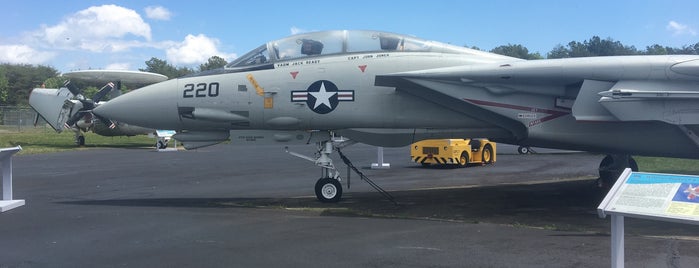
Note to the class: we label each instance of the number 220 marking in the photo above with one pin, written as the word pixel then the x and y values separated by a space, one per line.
pixel 201 90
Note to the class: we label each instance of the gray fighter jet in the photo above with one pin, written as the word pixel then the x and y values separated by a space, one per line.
pixel 387 89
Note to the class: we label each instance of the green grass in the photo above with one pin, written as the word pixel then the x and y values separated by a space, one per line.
pixel 668 165
pixel 46 140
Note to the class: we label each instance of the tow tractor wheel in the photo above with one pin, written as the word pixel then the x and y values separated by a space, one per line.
pixel 328 190
pixel 487 155
pixel 463 160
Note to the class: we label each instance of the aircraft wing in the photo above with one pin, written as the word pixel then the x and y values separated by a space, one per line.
pixel 628 88
pixel 53 105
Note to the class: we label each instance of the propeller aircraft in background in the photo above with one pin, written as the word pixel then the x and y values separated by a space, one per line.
pixel 67 108
pixel 388 89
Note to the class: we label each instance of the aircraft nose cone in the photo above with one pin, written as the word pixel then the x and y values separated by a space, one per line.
pixel 152 106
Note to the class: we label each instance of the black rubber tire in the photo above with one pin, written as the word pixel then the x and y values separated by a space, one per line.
pixel 487 154
pixel 328 190
pixel 463 160
pixel 607 176
pixel 632 164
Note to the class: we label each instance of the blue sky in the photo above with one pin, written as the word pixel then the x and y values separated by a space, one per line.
pixel 72 35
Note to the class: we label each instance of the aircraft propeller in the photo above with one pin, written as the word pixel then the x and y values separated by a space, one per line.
pixel 87 104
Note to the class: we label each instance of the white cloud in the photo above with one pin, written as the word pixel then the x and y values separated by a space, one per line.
pixel 195 50
pixel 22 54
pixel 118 66
pixel 97 29
pixel 680 29
pixel 158 13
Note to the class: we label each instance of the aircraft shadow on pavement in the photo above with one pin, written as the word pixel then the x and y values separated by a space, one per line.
pixel 563 206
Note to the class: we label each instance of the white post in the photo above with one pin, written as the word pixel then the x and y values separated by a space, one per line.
pixel 617 241
pixel 7 202
pixel 7 178
pixel 380 164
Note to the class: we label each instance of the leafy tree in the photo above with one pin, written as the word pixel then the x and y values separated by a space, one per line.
pixel 155 65
pixel 656 50
pixel 517 51
pixel 214 62
pixel 22 78
pixel 4 91
pixel 54 82
pixel 559 51
pixel 595 46
pixel 690 50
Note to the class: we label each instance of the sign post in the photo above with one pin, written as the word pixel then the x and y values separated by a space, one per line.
pixel 7 202
pixel 653 196
pixel 380 164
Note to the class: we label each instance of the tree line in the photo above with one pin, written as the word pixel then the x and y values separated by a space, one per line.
pixel 17 80
pixel 592 47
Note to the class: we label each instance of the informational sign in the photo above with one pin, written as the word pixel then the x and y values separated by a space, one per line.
pixel 165 133
pixel 657 196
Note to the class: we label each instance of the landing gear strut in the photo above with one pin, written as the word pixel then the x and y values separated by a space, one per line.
pixel 611 168
pixel 328 188
pixel 79 136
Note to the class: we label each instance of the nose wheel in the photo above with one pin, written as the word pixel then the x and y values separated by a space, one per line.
pixel 328 190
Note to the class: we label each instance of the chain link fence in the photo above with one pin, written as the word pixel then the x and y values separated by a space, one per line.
pixel 14 118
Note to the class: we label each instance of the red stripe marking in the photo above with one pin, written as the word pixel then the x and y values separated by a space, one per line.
pixel 552 114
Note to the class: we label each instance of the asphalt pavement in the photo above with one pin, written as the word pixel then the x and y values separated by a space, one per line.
pixel 226 206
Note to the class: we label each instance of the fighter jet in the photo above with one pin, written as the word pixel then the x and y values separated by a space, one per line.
pixel 387 89
pixel 66 107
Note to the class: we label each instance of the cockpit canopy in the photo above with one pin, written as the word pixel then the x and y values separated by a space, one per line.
pixel 338 42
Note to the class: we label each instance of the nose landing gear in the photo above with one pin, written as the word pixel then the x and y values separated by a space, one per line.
pixel 328 188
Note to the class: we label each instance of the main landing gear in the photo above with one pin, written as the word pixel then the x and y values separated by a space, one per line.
pixel 79 136
pixel 611 168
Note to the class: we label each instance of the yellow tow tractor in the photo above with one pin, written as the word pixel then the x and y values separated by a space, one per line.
pixel 460 152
